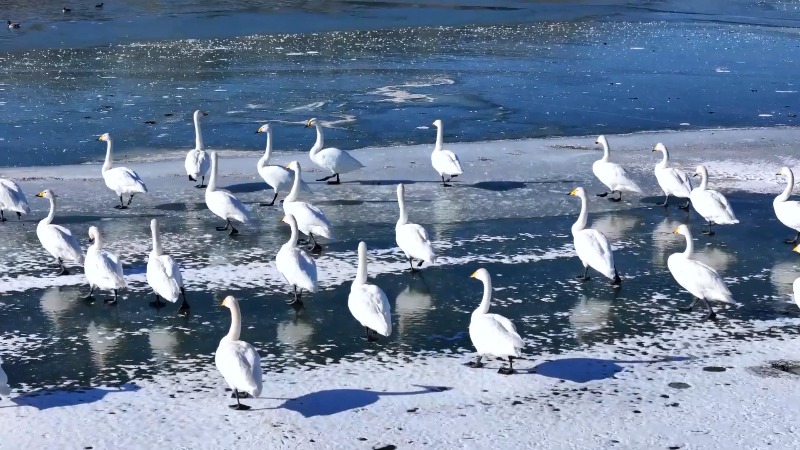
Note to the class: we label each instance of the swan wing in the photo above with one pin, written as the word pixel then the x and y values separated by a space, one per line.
pixel 309 218
pixel 446 162
pixel 788 213
pixel 240 365
pixel 197 163
pixel 161 277
pixel 337 161
pixel 12 197
pixel 297 267
pixel 614 176
pixel 59 242
pixel 124 180
pixel 369 305
pixel 713 206
pixel 413 240
pixel 227 206
pixel 674 182
pixel 698 278
pixel 593 249
pixel 490 334
pixel 103 270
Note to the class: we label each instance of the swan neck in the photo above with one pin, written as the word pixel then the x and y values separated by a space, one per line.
pixel 320 141
pixel 52 212
pixel 198 134
pixel 606 150
pixel 109 149
pixel 580 224
pixel 294 194
pixel 689 246
pixel 156 242
pixel 401 202
pixel 483 308
pixel 212 182
pixel 361 275
pixel 665 159
pixel 788 191
pixel 236 322
pixel 703 180
pixel 439 138
pixel 294 235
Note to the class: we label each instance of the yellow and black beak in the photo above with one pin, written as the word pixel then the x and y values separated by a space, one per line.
pixel 308 124
pixel 675 231
pixel 473 275
pixel 40 194
pixel 796 249
pixel 573 192
pixel 99 138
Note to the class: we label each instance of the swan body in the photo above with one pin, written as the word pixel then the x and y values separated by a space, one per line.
pixel 103 269
pixel 444 162
pixel 237 361
pixel 197 161
pixel 367 302
pixel 279 178
pixel 12 198
pixel 5 391
pixel 121 180
pixel 701 280
pixel 412 239
pixel 614 176
pixel 164 273
pixel 710 204
pixel 222 203
pixel 788 211
pixel 57 240
pixel 332 159
pixel 311 221
pixel 492 334
pixel 296 266
pixel 592 246
pixel 673 181
pixel 796 291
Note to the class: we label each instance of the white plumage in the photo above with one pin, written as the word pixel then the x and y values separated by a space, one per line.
pixel 197 160
pixel 12 198
pixel 445 162
pixel 591 245
pixel 238 361
pixel 611 174
pixel 222 203
pixel 367 302
pixel 103 269
pixel 279 178
pixel 492 334
pixel 412 238
pixel 311 221
pixel 121 180
pixel 673 181
pixel 57 240
pixel 710 204
pixel 788 211
pixel 796 291
pixel 5 391
pixel 164 273
pixel 296 266
pixel 332 159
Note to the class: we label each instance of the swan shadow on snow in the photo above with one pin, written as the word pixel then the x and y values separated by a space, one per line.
pixel 583 370
pixel 79 219
pixel 181 207
pixel 245 188
pixel 56 398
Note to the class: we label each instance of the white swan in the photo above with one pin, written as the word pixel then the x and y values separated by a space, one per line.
pixel 279 178
pixel 57 240
pixel 672 181
pixel 121 180
pixel 297 268
pixel 492 334
pixel 699 279
pixel 592 246
pixel 5 391
pixel 788 212
pixel 710 204
pixel 12 198
pixel 238 361
pixel 412 238
pixel 197 161
pixel 796 284
pixel 223 203
pixel 310 219
pixel 367 302
pixel 164 274
pixel 445 162
pixel 612 175
pixel 103 269
pixel 333 159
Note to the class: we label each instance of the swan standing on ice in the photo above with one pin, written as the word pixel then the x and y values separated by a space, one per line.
pixel 592 246
pixel 223 203
pixel 103 269
pixel 710 204
pixel 672 181
pixel 120 179
pixel 57 240
pixel 296 266
pixel 278 178
pixel 164 274
pixel 445 162
pixel 310 219
pixel 788 212
pixel 412 238
pixel 367 302
pixel 238 361
pixel 612 175
pixel 699 279
pixel 492 334
pixel 333 159
pixel 197 161
pixel 13 199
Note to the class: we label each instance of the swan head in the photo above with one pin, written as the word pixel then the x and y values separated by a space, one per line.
pixel 154 225
pixel 94 234
pixel 785 171
pixel 293 165
pixel 214 157
pixel 481 274
pixel 682 229
pixel 229 302
pixel 362 248
pixel 700 170
pixel 199 113
pixel 311 122
pixel 47 193
pixel 437 123
pixel 104 137
pixel 289 220
pixel 578 192
pixel 601 140
pixel 263 129
pixel 401 189
pixel 659 148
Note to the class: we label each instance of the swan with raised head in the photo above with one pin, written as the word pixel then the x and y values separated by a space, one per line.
pixel 493 335
pixel 333 159
pixel 279 178
pixel 710 204
pixel 224 204
pixel 788 211
pixel 57 240
pixel 121 180
pixel 12 198
pixel 672 181
pixel 296 266
pixel 592 246
pixel 444 162
pixel 103 269
pixel 311 221
pixel 164 274
pixel 701 280
pixel 367 302
pixel 197 161
pixel 237 361
pixel 5 391
pixel 412 238
pixel 614 176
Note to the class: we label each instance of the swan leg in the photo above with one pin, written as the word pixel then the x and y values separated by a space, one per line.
pixel 238 406
pixel 61 266
pixel 617 281
pixel 121 204
pixel 786 241
pixel 89 296
pixel 665 203
pixel 111 301
pixel 686 206
pixel 184 309
pixel 233 230
pixel 477 364
pixel 191 178
pixel 19 215
pixel 316 248
pixel 158 304
pixel 370 337
pixel 327 178
pixel 420 263
pixel 585 276
pixel 411 263
pixel 130 200
pixel 711 314
pixel 2 217
pixel 337 179
pixel 508 370
pixel 272 202
pixel 225 228
pixel 615 200
pixel 444 183
pixel 202 182
pixel 237 394
pixel 295 298
pixel 690 307
pixel 709 232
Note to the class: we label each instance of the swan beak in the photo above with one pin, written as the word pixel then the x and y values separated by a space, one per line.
pixel 573 192
pixel 308 124
pixel 654 149
pixel 282 219
pixel 287 166
pixel 473 275
pixel 676 231
pixel 796 249
pixel 99 138
pixel 204 113
pixel 258 131
pixel 40 194
pixel 695 175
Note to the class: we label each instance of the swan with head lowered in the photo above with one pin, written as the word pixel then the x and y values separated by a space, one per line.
pixel 311 220
pixel 279 178
pixel 701 280
pixel 224 204
pixel 614 176
pixel 788 211
pixel 367 302
pixel 592 246
pixel 57 240
pixel 412 238
pixel 164 274
pixel 296 266
pixel 444 162
pixel 237 361
pixel 197 160
pixel 333 159
pixel 121 180
pixel 12 198
pixel 492 334
pixel 710 204
pixel 103 269
pixel 672 181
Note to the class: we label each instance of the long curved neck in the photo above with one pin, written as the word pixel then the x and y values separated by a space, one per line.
pixel 98 242
pixel 361 275
pixel 689 246
pixel 156 242
pixel 236 323
pixel 320 141
pixel 788 191
pixel 606 150
pixel 198 134
pixel 483 308
pixel 665 160
pixel 401 202
pixel 52 213
pixel 268 152
pixel 212 182
pixel 439 138
pixel 582 217
pixel 109 149
pixel 294 194
pixel 295 235
pixel 703 180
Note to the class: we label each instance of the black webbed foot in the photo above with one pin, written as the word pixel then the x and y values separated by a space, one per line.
pixel 316 248
pixel 110 302
pixel 583 278
pixel 711 316
pixel 615 200
pixel 604 194
pixel 239 407
pixel 474 364
pixel 506 371
pixel 222 228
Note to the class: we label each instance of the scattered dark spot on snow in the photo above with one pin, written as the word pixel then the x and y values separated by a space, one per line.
pixel 714 369
pixel 679 385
